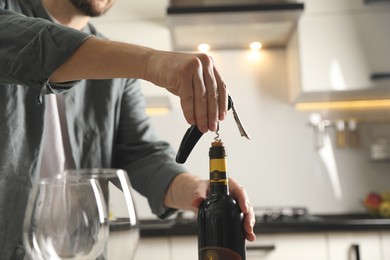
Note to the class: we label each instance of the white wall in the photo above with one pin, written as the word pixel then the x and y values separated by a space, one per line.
pixel 280 165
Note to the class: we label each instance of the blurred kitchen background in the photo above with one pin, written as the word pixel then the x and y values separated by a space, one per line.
pixel 302 153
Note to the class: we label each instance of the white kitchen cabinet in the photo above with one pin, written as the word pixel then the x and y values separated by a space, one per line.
pixel 288 246
pixel 306 246
pixel 152 248
pixel 385 243
pixel 184 248
pixel 338 53
pixel 346 246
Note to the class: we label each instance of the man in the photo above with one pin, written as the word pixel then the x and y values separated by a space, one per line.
pixel 101 120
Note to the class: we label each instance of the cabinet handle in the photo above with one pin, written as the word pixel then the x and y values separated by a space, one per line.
pixel 261 248
pixel 380 75
pixel 356 250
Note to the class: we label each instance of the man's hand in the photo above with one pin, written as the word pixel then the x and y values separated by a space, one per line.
pixel 194 78
pixel 188 192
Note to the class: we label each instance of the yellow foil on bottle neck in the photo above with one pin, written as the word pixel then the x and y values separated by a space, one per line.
pixel 224 181
pixel 218 165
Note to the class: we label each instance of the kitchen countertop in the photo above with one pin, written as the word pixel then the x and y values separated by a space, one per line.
pixel 316 223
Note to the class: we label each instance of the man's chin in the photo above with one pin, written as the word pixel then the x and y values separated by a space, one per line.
pixel 100 8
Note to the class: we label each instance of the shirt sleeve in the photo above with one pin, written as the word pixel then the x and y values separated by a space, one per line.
pixel 31 49
pixel 149 161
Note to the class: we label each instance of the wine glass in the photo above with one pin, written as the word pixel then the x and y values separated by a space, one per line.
pixel 116 198
pixel 66 218
pixel 123 235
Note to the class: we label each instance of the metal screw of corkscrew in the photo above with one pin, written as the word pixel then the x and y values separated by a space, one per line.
pixel 216 138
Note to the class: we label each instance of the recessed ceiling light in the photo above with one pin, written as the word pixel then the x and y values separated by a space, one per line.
pixel 255 46
pixel 203 47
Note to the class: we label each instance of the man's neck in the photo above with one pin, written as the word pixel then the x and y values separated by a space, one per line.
pixel 65 13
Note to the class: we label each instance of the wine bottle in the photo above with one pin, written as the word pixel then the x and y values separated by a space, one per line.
pixel 221 234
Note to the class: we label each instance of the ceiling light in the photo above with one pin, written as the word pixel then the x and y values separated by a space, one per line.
pixel 255 46
pixel 203 47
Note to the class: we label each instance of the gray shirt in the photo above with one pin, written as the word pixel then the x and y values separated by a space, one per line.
pixel 106 119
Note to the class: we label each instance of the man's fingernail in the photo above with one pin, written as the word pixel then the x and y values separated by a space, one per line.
pixel 213 127
pixel 204 129
pixel 222 116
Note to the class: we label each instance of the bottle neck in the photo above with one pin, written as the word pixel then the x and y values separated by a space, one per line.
pixel 218 188
pixel 219 183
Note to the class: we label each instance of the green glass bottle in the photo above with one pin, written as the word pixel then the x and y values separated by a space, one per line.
pixel 221 234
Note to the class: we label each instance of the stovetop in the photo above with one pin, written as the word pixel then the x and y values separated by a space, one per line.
pixel 282 214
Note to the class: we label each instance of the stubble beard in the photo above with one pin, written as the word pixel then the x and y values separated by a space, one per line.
pixel 87 7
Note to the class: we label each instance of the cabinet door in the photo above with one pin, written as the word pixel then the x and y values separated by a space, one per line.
pixel 184 248
pixel 343 51
pixel 347 246
pixel 288 246
pixel 152 248
pixel 385 239
pixel 269 247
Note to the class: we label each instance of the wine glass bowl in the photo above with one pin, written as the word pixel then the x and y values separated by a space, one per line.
pixel 118 225
pixel 124 227
pixel 66 218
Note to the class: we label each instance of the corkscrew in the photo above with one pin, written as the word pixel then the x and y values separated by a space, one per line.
pixel 192 135
pixel 216 138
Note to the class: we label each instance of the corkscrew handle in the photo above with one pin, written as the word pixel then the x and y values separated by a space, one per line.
pixel 192 136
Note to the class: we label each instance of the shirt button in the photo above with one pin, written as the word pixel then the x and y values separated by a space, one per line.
pixel 19 252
